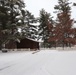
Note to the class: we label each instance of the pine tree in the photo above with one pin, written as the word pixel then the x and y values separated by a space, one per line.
pixel 44 26
pixel 64 22
pixel 29 30
pixel 11 17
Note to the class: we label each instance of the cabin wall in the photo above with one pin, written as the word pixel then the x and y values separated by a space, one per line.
pixel 26 43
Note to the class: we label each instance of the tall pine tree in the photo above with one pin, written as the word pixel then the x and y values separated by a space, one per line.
pixel 11 17
pixel 29 30
pixel 64 22
pixel 44 26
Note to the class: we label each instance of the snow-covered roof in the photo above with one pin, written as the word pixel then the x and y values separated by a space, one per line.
pixel 34 39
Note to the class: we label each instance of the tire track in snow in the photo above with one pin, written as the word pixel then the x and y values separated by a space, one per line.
pixel 5 67
pixel 13 63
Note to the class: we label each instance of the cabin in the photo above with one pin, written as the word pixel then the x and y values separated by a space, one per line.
pixel 25 43
pixel 28 43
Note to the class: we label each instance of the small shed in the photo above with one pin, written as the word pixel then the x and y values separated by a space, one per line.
pixel 28 43
pixel 25 43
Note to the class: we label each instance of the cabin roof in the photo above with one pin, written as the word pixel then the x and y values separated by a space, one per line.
pixel 32 39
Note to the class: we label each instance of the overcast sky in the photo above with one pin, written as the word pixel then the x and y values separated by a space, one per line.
pixel 34 6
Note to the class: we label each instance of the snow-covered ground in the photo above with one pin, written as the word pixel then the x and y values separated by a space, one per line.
pixel 44 62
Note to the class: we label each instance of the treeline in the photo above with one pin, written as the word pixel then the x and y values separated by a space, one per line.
pixel 60 31
pixel 16 23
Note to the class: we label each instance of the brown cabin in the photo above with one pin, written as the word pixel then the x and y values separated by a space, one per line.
pixel 24 43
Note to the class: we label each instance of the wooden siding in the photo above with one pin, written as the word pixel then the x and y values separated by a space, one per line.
pixel 27 43
pixel 24 43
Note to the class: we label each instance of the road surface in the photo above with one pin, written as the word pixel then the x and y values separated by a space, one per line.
pixel 41 63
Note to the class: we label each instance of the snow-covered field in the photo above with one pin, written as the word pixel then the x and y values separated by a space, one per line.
pixel 44 62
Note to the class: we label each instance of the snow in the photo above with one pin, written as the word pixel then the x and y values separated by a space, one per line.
pixel 44 62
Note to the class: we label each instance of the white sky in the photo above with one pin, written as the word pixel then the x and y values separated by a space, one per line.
pixel 34 6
